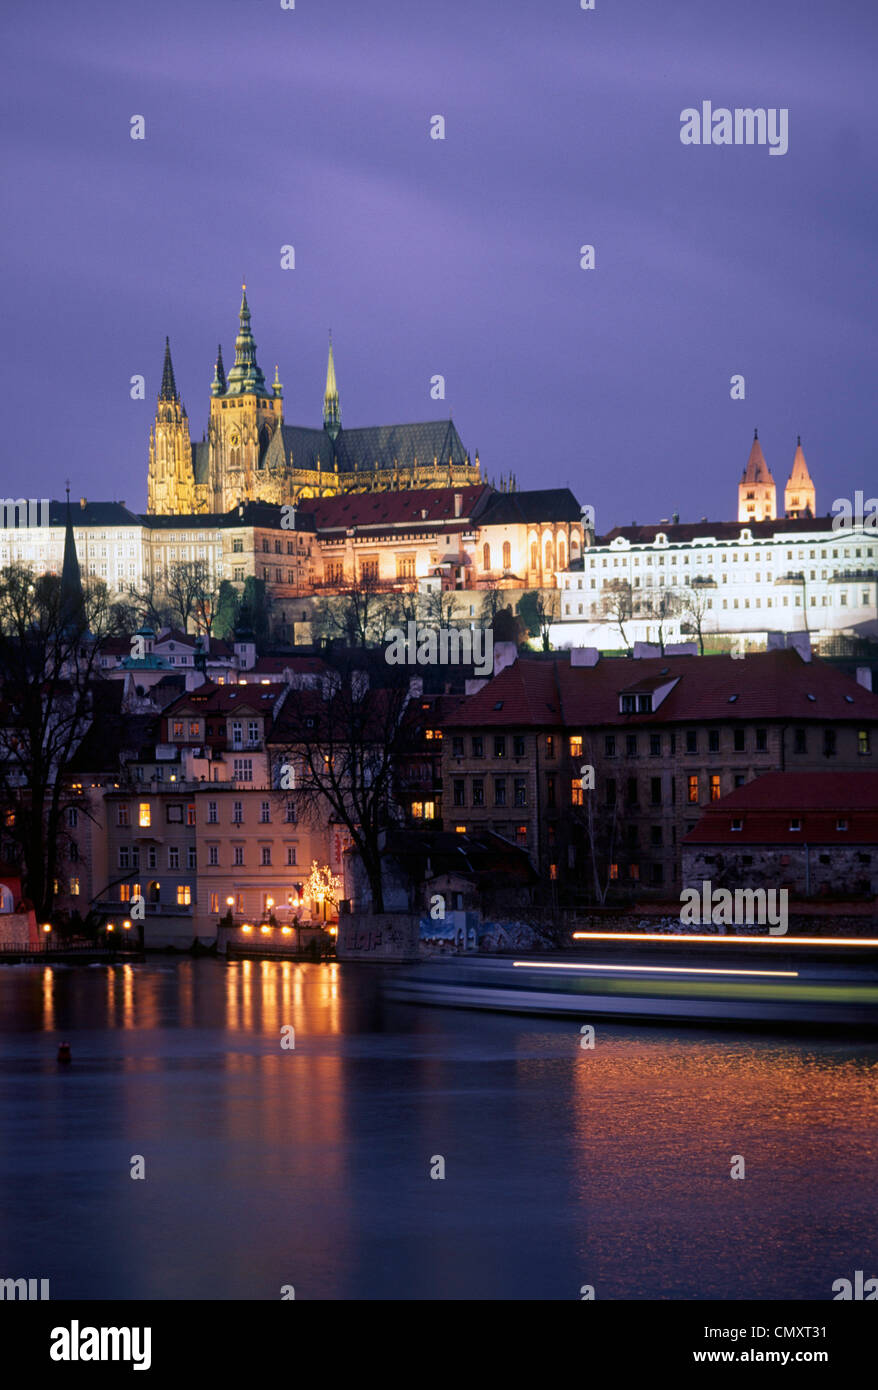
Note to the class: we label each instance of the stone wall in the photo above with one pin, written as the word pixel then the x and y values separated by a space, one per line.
pixel 378 936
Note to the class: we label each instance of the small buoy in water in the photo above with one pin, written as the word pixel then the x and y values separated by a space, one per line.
pixel 64 1053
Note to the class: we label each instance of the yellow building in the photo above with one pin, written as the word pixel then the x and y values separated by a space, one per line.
pixel 250 454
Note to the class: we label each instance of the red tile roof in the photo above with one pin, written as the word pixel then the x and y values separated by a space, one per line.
pixel 224 699
pixel 374 509
pixel 765 685
pixel 765 808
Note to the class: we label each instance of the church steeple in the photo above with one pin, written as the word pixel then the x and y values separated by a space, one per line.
pixel 218 385
pixel 245 378
pixel 169 386
pixel 800 495
pixel 331 407
pixel 170 481
pixel 757 494
pixel 72 604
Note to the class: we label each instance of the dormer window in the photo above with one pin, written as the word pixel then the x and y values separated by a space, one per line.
pixel 841 825
pixel 628 704
pixel 737 825
pixel 644 704
pixel 795 824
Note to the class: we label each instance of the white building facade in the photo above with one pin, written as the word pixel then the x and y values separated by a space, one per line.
pixel 727 582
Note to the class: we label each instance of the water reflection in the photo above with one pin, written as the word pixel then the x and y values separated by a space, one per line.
pixel 311 1165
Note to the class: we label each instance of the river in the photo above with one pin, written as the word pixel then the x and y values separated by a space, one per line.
pixel 309 1166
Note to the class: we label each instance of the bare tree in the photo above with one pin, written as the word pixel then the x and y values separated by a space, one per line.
pixel 617 606
pixel 443 608
pixel 359 617
pixel 602 825
pixel 660 606
pixel 342 748
pixel 49 671
pixel 695 605
pixel 206 590
pixel 492 600
pixel 150 603
pixel 193 593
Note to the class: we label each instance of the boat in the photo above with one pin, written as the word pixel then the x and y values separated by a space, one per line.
pixel 798 982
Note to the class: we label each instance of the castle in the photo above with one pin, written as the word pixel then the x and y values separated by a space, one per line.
pixel 250 454
pixel 757 493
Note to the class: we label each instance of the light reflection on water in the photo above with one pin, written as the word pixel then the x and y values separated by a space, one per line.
pixel 564 1166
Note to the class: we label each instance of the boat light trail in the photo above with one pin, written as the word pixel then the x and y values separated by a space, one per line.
pixel 650 969
pixel 726 940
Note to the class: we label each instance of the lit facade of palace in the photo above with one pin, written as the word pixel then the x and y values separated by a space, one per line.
pixel 250 454
pixel 733 580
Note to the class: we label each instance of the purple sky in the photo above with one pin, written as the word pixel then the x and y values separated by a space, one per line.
pixel 311 127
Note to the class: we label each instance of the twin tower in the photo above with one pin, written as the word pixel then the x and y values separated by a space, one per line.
pixel 757 493
pixel 249 453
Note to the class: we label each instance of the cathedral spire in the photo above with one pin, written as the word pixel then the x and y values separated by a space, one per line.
pixel 245 378
pixel 331 407
pixel 169 385
pixel 218 385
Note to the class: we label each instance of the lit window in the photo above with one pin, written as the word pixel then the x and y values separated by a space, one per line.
pixel 184 895
pixel 144 818
pixel 693 788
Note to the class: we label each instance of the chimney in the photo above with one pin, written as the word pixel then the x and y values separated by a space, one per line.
pixel 800 642
pixel 864 677
pixel 458 503
pixel 584 656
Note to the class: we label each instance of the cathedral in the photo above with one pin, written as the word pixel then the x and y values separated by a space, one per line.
pixel 250 454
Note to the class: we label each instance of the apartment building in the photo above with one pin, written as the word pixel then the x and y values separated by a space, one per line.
pixel 660 738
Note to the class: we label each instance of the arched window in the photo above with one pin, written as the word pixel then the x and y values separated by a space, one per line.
pixel 7 903
pixel 550 557
pixel 562 553
pixel 152 892
pixel 574 546
pixel 507 555
pixel 534 556
pixel 486 557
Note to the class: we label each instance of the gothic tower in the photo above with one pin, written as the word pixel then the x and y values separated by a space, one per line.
pixel 757 494
pixel 331 407
pixel 800 495
pixel 244 414
pixel 171 481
